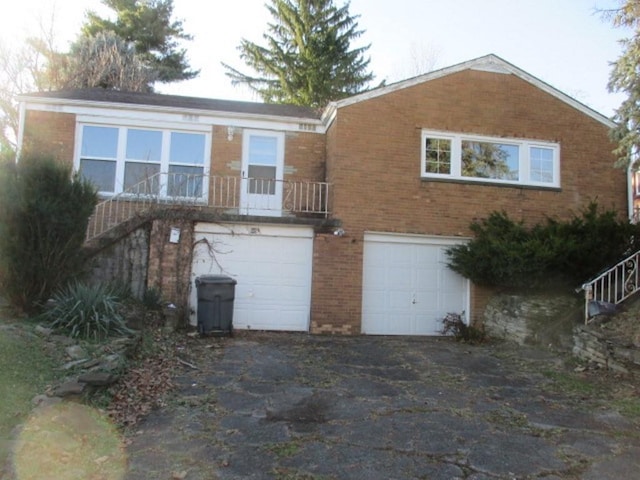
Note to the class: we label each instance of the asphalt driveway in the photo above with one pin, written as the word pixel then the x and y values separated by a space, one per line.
pixel 295 406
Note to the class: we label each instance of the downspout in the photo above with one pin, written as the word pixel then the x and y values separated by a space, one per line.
pixel 631 190
pixel 21 120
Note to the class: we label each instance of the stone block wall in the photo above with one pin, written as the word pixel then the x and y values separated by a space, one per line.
pixel 546 320
pixel 125 261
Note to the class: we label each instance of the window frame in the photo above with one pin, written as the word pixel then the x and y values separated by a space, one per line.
pixel 525 147
pixel 98 158
pixel 165 161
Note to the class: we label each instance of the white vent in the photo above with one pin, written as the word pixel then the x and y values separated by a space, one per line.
pixel 307 127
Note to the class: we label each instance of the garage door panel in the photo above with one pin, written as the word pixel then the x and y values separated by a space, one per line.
pixel 378 301
pixel 429 257
pixel 377 279
pixel 376 319
pixel 427 298
pixel 426 325
pixel 420 288
pixel 398 299
pixel 425 276
pixel 272 270
pixel 401 322
pixel 451 283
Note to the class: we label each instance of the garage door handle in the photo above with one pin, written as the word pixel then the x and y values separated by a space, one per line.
pixel 414 301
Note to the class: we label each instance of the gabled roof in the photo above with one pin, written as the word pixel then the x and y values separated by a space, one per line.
pixel 173 102
pixel 154 101
pixel 488 63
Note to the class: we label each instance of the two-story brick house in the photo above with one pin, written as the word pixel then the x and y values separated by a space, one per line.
pixel 335 221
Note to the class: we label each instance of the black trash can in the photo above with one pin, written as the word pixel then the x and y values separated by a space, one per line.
pixel 215 304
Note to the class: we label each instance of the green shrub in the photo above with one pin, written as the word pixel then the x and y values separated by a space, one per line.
pixel 90 312
pixel 44 212
pixel 505 253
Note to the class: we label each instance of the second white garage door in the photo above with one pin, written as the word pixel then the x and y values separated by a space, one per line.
pixel 272 265
pixel 407 286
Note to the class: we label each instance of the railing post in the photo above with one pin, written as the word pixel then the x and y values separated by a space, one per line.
pixel 587 298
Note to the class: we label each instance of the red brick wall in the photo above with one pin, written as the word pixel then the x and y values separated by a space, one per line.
pixel 50 132
pixel 373 161
pixel 305 155
pixel 170 263
pixel 225 152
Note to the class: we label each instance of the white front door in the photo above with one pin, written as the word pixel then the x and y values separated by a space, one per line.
pixel 407 286
pixel 272 266
pixel 262 173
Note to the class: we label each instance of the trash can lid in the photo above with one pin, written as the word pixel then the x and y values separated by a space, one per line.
pixel 215 279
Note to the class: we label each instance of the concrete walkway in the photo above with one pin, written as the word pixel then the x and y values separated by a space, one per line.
pixel 294 406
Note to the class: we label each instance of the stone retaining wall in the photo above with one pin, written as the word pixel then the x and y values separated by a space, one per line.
pixel 594 346
pixel 557 321
pixel 532 319
pixel 125 261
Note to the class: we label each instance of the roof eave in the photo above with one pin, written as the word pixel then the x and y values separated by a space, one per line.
pixel 166 109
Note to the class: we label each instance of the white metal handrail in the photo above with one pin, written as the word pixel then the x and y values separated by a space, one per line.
pixel 164 189
pixel 614 285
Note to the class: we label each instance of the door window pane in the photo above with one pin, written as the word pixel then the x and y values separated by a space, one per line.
pixel 144 145
pixel 262 180
pixel 99 142
pixel 102 173
pixel 187 148
pixel 263 150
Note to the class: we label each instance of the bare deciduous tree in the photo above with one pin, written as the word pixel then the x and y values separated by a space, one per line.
pixel 16 66
pixel 106 61
pixel 28 67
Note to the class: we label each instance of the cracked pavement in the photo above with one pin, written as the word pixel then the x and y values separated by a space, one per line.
pixel 297 406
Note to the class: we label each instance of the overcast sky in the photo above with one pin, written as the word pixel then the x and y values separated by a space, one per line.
pixel 565 43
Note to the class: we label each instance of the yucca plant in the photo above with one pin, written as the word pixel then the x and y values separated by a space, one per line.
pixel 90 312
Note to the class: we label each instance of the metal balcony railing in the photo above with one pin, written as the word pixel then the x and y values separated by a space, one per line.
pixel 612 286
pixel 242 196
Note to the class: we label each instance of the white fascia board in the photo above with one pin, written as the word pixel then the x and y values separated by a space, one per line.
pixel 414 238
pixel 329 114
pixel 261 229
pixel 172 115
pixel 488 63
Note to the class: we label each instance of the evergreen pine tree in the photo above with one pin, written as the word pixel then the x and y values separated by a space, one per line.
pixel 625 77
pixel 148 25
pixel 308 59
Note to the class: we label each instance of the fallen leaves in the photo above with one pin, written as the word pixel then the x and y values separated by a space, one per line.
pixel 144 386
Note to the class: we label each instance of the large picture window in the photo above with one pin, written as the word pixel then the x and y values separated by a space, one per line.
pixel 144 160
pixel 486 159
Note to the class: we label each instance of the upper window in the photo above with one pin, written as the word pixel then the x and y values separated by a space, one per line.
pixel 147 161
pixel 487 159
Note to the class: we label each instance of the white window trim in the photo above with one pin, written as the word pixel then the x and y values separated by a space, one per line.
pixel 121 159
pixel 524 147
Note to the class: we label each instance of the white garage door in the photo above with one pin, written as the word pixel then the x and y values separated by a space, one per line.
pixel 407 286
pixel 272 266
